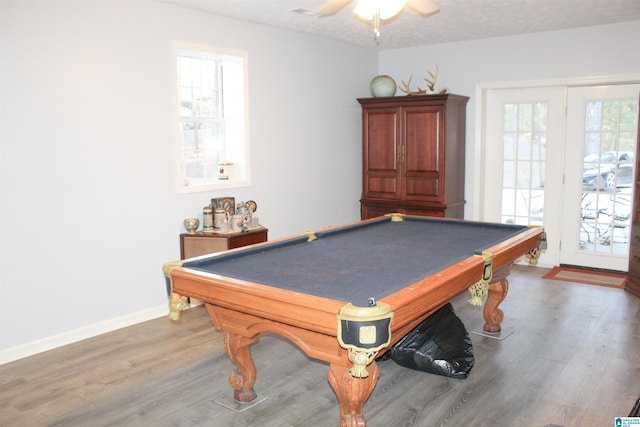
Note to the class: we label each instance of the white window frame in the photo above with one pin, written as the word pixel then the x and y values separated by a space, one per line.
pixel 232 125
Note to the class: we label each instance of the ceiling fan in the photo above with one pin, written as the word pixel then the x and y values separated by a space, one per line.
pixel 380 10
pixel 421 7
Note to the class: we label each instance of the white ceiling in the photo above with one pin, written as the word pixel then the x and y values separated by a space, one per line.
pixel 457 19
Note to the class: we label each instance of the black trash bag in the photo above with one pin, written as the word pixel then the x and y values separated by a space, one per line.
pixel 439 345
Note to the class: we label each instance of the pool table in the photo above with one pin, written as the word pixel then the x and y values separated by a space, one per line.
pixel 345 294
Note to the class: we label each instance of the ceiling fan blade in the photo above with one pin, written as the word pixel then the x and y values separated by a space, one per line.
pixel 332 7
pixel 423 7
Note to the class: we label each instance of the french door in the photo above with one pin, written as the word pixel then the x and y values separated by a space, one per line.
pixel 542 146
pixel 523 152
pixel 599 175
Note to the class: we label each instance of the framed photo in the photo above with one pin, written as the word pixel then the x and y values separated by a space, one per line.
pixel 226 203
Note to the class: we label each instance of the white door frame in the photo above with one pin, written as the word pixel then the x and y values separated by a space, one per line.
pixel 480 128
pixel 492 201
pixel 571 205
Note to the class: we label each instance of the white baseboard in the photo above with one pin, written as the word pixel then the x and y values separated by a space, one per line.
pixel 48 343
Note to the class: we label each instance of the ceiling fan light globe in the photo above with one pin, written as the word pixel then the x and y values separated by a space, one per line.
pixel 366 9
pixel 423 7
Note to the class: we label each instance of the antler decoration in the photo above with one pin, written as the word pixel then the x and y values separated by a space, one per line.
pixel 406 88
pixel 431 83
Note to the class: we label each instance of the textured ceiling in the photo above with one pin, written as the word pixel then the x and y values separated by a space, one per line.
pixel 457 19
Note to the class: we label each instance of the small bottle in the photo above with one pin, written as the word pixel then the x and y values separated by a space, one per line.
pixel 207 219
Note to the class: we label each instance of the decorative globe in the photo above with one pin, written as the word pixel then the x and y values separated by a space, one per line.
pixel 382 86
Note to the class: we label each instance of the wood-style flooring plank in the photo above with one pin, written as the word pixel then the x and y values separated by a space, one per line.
pixel 573 360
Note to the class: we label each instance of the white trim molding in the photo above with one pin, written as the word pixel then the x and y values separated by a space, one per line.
pixel 480 96
pixel 89 331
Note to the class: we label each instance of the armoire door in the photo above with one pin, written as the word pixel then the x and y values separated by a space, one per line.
pixel 421 153
pixel 382 170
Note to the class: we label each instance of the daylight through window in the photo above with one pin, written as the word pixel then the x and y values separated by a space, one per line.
pixel 212 119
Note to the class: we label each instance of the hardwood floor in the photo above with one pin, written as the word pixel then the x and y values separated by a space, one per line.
pixel 573 360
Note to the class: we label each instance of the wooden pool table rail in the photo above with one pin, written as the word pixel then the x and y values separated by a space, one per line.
pixel 243 310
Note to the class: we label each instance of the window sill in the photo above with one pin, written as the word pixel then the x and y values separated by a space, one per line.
pixel 222 185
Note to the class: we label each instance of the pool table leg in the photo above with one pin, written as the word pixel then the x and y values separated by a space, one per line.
pixel 243 376
pixel 352 392
pixel 498 289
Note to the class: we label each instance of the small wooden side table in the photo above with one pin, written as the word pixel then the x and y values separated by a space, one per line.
pixel 199 243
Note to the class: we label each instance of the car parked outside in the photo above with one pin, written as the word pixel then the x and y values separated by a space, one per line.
pixel 608 170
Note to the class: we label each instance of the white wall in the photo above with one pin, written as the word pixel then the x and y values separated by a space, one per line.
pixel 600 51
pixel 89 211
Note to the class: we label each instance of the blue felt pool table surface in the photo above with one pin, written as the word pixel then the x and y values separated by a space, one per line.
pixel 356 263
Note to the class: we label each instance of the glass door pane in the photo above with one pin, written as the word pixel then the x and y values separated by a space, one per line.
pixel 607 180
pixel 525 139
pixel 602 126
pixel 523 161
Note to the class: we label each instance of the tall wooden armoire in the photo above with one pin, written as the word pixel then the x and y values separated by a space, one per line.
pixel 413 150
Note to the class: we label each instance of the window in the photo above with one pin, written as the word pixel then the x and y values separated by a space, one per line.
pixel 212 118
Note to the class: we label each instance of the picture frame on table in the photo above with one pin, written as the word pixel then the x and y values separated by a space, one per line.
pixel 226 203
